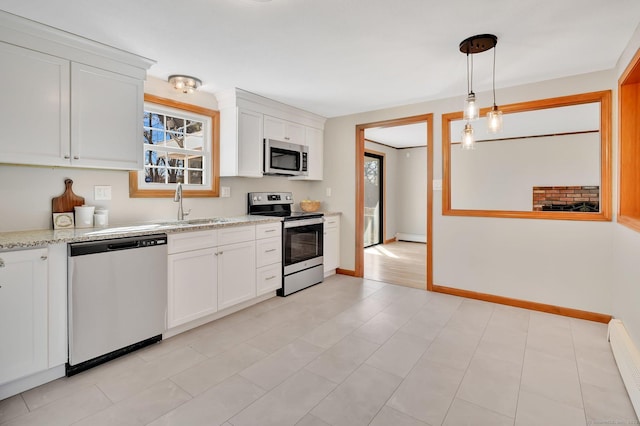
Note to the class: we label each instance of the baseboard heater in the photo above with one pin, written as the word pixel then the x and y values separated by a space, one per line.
pixel 628 360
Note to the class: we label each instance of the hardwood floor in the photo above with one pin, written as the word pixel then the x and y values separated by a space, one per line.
pixel 401 263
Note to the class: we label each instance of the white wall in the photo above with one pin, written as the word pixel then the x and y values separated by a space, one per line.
pixel 412 192
pixel 564 263
pixel 626 243
pixel 27 191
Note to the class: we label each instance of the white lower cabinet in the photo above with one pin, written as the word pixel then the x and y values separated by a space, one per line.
pixel 23 313
pixel 331 245
pixel 268 257
pixel 236 273
pixel 269 278
pixel 193 290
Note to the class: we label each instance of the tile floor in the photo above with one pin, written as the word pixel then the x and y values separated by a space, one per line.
pixel 351 352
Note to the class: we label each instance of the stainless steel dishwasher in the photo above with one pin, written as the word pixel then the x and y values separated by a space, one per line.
pixel 117 298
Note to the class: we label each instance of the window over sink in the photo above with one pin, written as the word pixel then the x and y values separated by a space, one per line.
pixel 180 144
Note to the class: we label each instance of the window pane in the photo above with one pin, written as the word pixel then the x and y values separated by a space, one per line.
pixel 175 175
pixel 195 177
pixel 154 174
pixel 175 140
pixel 195 162
pixel 153 120
pixel 175 124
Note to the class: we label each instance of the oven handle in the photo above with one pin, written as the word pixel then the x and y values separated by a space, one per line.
pixel 303 222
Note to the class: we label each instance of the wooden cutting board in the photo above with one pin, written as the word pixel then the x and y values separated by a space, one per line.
pixel 67 201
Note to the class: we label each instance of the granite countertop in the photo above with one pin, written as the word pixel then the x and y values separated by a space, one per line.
pixel 43 237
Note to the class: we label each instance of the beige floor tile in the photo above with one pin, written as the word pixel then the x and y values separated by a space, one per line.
pixel 283 334
pixel 65 411
pixel 380 328
pixel 212 371
pixel 453 347
pixel 311 420
pixel 12 407
pixel 277 367
pixel 353 348
pixel 287 403
pixel 607 406
pixel 463 413
pixel 536 410
pixel 215 406
pixel 554 377
pixel 130 383
pixel 505 343
pixel 492 384
pixel 427 392
pixel 358 399
pixel 387 416
pixel 399 354
pixel 224 338
pixel 331 332
pixel 332 367
pixel 142 408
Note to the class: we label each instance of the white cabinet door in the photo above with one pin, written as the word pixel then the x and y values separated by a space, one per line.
pixel 34 113
pixel 331 246
pixel 283 130
pixel 23 313
pixel 236 273
pixel 314 140
pixel 193 291
pixel 250 147
pixel 106 119
pixel 269 278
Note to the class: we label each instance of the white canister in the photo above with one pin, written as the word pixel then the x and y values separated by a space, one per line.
pixel 101 217
pixel 84 216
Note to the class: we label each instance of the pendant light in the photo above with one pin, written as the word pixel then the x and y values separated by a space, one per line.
pixel 468 141
pixel 470 46
pixel 494 117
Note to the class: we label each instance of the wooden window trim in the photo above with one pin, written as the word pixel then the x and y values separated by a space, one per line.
pixel 136 192
pixel 604 97
pixel 628 145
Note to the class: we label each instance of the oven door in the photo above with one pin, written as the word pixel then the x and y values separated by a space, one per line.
pixel 302 244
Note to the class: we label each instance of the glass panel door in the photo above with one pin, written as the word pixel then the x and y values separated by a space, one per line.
pixel 373 199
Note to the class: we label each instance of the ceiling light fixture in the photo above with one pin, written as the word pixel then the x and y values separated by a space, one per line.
pixel 184 83
pixel 470 46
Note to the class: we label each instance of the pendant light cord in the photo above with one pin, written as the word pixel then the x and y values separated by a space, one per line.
pixel 494 75
pixel 469 73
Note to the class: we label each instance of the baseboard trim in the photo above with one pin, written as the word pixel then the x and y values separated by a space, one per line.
pixel 534 306
pixel 349 272
pixel 628 360
pixel 412 238
pixel 390 240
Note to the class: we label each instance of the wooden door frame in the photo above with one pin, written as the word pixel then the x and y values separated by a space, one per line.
pixel 383 207
pixel 360 149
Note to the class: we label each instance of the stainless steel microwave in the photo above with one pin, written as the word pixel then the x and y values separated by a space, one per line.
pixel 284 158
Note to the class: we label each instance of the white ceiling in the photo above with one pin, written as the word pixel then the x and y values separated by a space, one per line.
pixel 408 135
pixel 336 57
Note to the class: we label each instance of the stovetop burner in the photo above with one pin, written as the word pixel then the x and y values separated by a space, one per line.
pixel 277 204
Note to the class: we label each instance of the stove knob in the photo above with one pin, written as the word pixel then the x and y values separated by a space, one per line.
pixel 259 198
pixel 288 197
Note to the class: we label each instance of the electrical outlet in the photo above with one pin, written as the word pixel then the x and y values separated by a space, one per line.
pixel 225 191
pixel 102 192
pixel 328 192
pixel 437 184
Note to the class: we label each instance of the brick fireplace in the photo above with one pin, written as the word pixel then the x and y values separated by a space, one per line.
pixel 566 198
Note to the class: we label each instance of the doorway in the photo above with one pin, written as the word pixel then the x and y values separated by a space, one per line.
pixel 374 183
pixel 361 189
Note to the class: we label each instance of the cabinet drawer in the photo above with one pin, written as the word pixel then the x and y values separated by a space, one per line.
pixel 269 278
pixel 236 234
pixel 187 241
pixel 267 230
pixel 331 222
pixel 268 251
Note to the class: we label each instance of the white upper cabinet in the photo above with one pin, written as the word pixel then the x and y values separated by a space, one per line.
pixel 106 119
pixel 283 130
pixel 247 119
pixel 81 105
pixel 34 116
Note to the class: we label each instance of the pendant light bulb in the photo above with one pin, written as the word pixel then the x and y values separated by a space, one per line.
pixel 468 140
pixel 494 120
pixel 471 111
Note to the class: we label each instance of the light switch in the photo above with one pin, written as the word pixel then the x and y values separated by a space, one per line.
pixel 102 192
pixel 437 184
pixel 225 191
pixel 328 192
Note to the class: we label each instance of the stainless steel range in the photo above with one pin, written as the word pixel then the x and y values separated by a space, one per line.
pixel 302 239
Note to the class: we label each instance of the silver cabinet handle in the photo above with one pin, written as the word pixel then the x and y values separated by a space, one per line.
pixel 67 156
pixel 1 263
pixel 75 157
pixel 270 230
pixel 270 250
pixel 286 138
pixel 43 257
pixel 270 278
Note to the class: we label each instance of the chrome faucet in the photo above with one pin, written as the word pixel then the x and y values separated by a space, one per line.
pixel 177 197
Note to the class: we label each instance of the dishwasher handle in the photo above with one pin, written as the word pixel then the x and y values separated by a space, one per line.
pixel 116 244
pixel 123 246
